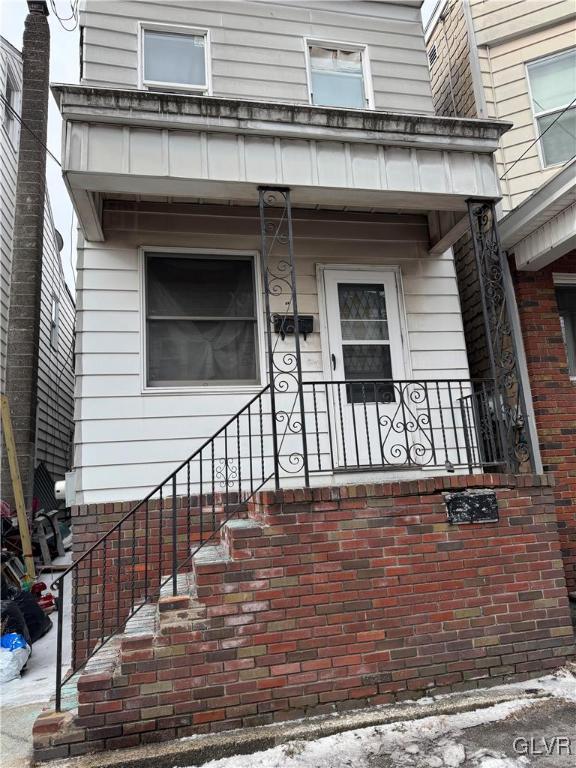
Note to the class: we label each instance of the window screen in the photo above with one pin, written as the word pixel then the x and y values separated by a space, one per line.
pixel 553 88
pixel 200 320
pixel 337 77
pixel 566 298
pixel 174 58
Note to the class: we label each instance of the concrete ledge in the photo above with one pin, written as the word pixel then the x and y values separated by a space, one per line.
pixel 201 749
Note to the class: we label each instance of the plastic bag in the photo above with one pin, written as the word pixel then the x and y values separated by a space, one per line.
pixel 14 653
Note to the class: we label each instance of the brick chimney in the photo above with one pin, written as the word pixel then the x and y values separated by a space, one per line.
pixel 24 312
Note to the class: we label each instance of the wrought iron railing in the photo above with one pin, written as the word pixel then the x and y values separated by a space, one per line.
pixel 356 425
pixel 154 541
pixel 347 426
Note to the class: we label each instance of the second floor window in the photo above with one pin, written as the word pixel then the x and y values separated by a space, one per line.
pixel 553 89
pixel 175 59
pixel 338 76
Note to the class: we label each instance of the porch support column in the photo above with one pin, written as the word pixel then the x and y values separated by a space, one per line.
pixel 500 340
pixel 284 368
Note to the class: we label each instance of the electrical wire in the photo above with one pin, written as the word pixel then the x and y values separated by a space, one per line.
pixel 30 131
pixel 62 19
pixel 537 139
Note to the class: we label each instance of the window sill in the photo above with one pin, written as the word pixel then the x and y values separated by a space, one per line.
pixel 208 389
pixel 197 90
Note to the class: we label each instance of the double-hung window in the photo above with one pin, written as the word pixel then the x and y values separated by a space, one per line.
pixel 175 57
pixel 553 90
pixel 201 319
pixel 566 298
pixel 338 75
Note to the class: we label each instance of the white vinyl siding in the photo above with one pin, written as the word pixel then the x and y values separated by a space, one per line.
pixel 257 50
pixel 504 76
pixel 126 441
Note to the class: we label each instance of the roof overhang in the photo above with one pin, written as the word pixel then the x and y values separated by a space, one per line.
pixel 542 229
pixel 122 141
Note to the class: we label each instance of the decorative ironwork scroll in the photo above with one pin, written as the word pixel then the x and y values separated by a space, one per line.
pixel 284 366
pixel 510 410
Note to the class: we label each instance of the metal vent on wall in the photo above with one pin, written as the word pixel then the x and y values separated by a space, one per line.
pixel 432 55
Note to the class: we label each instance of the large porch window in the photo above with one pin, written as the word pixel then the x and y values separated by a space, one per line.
pixel 201 320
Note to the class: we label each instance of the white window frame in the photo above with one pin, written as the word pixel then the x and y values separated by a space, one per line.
pixel 340 46
pixel 12 132
pixel 535 114
pixel 175 29
pixel 204 388
pixel 560 280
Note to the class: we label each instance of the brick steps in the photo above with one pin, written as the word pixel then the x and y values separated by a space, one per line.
pixel 325 600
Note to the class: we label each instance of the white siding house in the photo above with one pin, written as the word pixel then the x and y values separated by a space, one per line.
pixel 54 425
pixel 184 111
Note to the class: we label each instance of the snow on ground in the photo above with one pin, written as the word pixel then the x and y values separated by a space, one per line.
pixel 432 742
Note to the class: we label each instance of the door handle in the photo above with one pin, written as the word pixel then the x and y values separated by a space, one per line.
pixel 333 356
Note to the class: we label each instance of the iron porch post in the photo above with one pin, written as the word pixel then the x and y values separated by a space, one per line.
pixel 502 351
pixel 278 278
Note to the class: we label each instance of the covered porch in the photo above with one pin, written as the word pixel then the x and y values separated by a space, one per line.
pixel 359 362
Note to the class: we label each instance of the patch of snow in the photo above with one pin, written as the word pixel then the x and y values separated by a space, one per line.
pixel 433 737
pixel 431 742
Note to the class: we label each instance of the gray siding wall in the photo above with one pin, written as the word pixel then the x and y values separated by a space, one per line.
pixel 54 428
pixel 9 58
pixel 55 414
pixel 258 49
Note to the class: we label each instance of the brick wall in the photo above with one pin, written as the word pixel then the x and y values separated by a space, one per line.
pixel 553 394
pixel 332 599
pixel 130 565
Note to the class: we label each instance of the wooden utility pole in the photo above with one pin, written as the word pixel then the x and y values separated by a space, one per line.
pixel 17 490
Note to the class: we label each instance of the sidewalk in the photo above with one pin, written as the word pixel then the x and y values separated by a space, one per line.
pixel 22 699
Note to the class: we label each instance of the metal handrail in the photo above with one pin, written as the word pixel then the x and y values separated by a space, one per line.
pixel 197 452
pixel 205 537
pixel 347 425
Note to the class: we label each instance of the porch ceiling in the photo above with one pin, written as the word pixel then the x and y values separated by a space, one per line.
pixel 119 142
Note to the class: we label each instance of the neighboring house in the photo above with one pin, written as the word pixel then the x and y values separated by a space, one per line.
pixel 55 407
pixel 267 301
pixel 516 61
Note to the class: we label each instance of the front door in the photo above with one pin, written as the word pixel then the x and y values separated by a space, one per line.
pixel 365 355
